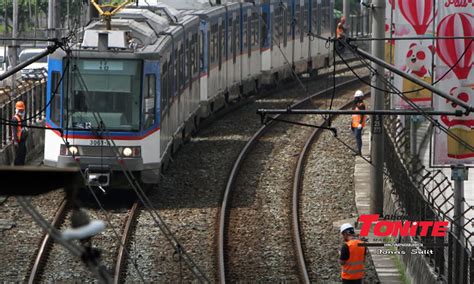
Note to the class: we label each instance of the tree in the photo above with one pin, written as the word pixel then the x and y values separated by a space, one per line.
pixel 25 10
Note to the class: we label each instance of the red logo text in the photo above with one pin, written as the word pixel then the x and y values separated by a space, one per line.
pixel 394 228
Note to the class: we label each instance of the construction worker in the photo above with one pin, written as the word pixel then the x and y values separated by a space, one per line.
pixel 358 120
pixel 19 133
pixel 352 256
pixel 341 29
pixel 340 34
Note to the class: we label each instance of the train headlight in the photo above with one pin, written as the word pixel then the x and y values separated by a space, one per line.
pixel 127 152
pixel 73 150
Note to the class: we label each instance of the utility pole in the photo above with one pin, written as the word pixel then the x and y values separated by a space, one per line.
pixel 346 7
pixel 52 23
pixel 376 151
pixel 5 17
pixel 12 50
pixel 459 174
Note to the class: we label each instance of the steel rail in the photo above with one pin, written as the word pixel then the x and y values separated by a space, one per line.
pixel 297 186
pixel 46 245
pixel 236 167
pixel 122 253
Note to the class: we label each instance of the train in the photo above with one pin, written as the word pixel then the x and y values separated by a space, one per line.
pixel 145 80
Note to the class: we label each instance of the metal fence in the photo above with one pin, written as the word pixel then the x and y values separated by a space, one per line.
pixel 427 194
pixel 33 94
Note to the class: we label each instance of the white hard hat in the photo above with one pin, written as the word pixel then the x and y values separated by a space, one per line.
pixel 346 226
pixel 358 93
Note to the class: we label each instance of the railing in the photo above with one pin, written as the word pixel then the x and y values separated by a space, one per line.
pixel 33 94
pixel 428 195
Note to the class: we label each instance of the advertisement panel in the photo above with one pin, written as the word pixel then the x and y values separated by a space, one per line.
pixel 454 59
pixel 413 19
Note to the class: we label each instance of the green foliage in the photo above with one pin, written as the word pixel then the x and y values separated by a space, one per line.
pixel 25 9
pixel 355 4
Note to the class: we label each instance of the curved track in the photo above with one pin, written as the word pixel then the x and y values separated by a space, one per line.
pixel 224 221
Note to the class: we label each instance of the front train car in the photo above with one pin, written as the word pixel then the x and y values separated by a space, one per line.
pixel 104 96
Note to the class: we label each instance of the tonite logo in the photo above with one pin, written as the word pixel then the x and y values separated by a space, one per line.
pixel 403 228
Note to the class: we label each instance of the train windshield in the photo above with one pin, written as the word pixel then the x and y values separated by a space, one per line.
pixel 108 87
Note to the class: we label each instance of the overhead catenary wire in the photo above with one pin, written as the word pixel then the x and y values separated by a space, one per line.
pixel 414 106
pixel 140 193
pixel 137 188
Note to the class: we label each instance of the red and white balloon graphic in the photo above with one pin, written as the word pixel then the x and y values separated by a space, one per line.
pixel 419 13
pixel 391 4
pixel 450 50
pixel 466 95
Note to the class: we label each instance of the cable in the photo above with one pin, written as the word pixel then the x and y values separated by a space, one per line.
pixel 421 88
pixel 139 191
pixel 413 105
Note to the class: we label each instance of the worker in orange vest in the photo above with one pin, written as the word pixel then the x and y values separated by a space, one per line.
pixel 340 34
pixel 19 133
pixel 358 120
pixel 352 256
pixel 341 29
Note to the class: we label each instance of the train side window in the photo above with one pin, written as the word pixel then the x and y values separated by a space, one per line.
pixel 175 71
pixel 285 25
pixel 249 35
pixel 230 37
pixel 233 41
pixel 187 59
pixel 296 21
pixel 190 58
pixel 237 39
pixel 263 30
pixel 244 31
pixel 220 46
pixel 149 101
pixel 201 51
pixel 181 67
pixel 56 101
pixel 197 48
pixel 164 86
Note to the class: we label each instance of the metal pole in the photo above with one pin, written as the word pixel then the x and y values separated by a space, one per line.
pixel 459 173
pixel 378 51
pixel 346 7
pixel 13 49
pixel 51 18
pixel 5 16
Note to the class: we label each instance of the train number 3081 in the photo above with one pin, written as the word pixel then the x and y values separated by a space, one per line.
pixel 98 143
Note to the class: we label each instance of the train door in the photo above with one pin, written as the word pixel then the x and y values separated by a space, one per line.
pixel 255 57
pixel 150 108
pixel 166 93
pixel 221 49
pixel 266 32
pixel 204 59
pixel 195 84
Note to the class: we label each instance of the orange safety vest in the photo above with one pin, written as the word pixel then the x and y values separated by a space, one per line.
pixel 339 30
pixel 19 127
pixel 358 119
pixel 354 267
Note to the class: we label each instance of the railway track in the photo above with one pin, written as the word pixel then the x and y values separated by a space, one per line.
pixel 39 271
pixel 191 190
pixel 252 211
pixel 63 268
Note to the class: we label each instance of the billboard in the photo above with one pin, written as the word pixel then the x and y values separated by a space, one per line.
pixel 413 19
pixel 454 59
